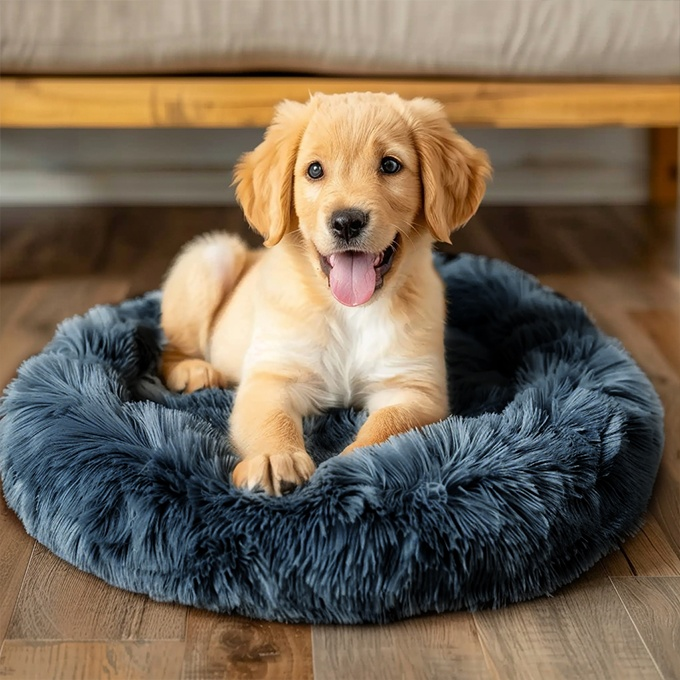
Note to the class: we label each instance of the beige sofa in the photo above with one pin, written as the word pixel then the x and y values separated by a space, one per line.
pixel 508 63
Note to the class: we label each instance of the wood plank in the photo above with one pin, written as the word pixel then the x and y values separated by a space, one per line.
pixel 583 235
pixel 654 606
pixel 606 298
pixel 59 602
pixel 30 313
pixel 102 242
pixel 610 313
pixel 11 296
pixel 663 326
pixel 583 631
pixel 512 228
pixel 570 240
pixel 476 238
pixel 76 660
pixel 33 322
pixel 617 564
pixel 12 337
pixel 665 504
pixel 42 242
pixel 248 101
pixel 629 290
pixel 15 552
pixel 434 647
pixel 656 230
pixel 648 553
pixel 136 253
pixel 236 647
pixel 663 166
pixel 28 322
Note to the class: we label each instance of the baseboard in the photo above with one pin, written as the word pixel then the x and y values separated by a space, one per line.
pixel 134 187
pixel 511 185
pixel 193 167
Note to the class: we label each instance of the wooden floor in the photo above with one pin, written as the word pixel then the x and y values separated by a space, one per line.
pixel 621 620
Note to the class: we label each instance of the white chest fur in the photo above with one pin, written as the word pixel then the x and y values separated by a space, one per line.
pixel 345 355
pixel 360 352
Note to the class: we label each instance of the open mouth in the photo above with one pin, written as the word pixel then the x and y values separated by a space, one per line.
pixel 354 275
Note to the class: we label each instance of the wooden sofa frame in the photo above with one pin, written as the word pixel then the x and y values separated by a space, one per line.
pixel 248 101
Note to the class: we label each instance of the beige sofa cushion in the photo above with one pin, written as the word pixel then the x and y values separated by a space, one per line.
pixel 487 38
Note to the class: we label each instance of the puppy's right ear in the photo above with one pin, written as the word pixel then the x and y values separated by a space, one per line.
pixel 264 176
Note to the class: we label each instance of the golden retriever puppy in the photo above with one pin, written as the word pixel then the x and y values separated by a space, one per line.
pixel 344 307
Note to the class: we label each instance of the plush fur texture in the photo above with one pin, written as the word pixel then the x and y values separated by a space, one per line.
pixel 546 465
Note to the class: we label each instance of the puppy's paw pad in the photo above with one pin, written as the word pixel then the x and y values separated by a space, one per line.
pixel 277 474
pixel 193 374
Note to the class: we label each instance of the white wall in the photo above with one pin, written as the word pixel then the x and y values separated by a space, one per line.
pixel 599 165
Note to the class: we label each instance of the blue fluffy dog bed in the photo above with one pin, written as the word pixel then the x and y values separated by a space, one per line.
pixel 546 465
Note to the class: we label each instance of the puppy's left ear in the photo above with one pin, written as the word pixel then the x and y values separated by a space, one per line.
pixel 452 171
pixel 264 176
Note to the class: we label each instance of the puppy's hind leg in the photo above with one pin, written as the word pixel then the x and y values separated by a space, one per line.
pixel 187 374
pixel 196 287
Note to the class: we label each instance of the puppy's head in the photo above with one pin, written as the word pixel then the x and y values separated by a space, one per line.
pixel 365 179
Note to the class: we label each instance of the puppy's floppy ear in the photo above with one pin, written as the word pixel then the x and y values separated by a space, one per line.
pixel 453 172
pixel 264 176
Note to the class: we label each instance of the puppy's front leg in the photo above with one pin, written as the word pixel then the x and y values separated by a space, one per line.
pixel 411 409
pixel 266 430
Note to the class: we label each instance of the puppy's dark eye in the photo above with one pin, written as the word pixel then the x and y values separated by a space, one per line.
pixel 315 171
pixel 389 165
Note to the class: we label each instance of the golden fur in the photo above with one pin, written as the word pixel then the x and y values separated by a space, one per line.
pixel 267 320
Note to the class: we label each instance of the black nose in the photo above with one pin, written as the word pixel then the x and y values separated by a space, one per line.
pixel 348 224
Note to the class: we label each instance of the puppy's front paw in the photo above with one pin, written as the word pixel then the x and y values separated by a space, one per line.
pixel 276 474
pixel 193 374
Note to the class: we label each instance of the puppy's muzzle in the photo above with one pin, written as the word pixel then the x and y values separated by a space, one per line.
pixel 347 225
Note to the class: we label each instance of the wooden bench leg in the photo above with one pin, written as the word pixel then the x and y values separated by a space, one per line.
pixel 663 175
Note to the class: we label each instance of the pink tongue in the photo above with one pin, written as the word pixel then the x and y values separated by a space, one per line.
pixel 352 277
